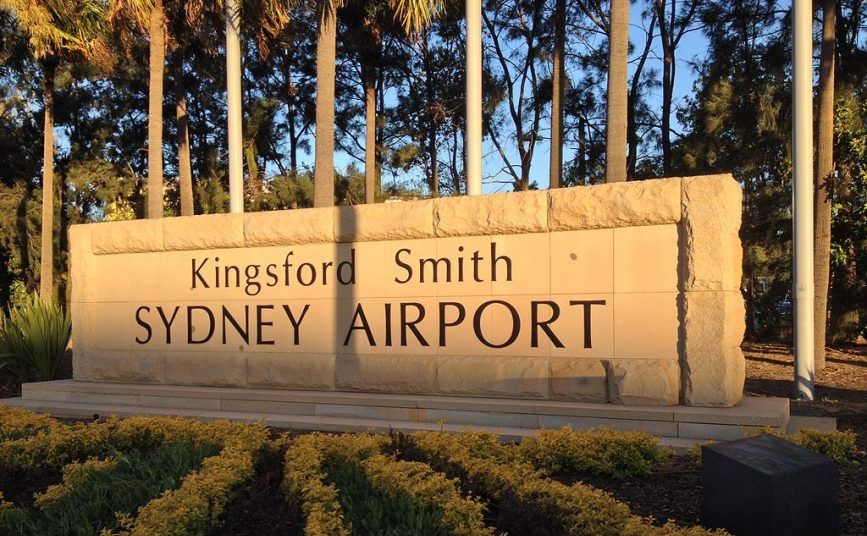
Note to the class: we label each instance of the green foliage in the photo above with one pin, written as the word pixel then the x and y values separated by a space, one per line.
pixel 599 452
pixel 33 339
pixel 836 444
pixel 93 492
pixel 17 423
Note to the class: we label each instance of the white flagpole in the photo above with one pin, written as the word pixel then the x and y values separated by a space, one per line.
pixel 233 97
pixel 474 97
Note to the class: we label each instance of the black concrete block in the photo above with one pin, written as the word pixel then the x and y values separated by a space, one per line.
pixel 766 486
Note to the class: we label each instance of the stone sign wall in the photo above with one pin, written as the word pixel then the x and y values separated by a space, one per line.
pixel 624 293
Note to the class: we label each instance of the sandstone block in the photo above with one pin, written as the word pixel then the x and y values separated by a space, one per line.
pixel 578 379
pixel 219 369
pixel 204 232
pixel 131 367
pixel 287 227
pixel 511 213
pixel 384 221
pixel 82 265
pixel 291 371
pixel 644 382
pixel 650 202
pixel 520 377
pixel 385 373
pixel 711 253
pixel 133 236
pixel 713 365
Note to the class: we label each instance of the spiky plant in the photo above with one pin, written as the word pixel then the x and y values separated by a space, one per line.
pixel 33 339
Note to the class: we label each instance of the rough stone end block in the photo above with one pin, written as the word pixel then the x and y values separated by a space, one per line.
pixel 204 232
pixel 384 221
pixel 578 379
pixel 498 376
pixel 287 227
pixel 126 367
pixel 711 253
pixel 643 382
pixel 81 264
pixel 649 202
pixel 216 369
pixel 133 236
pixel 507 213
pixel 291 371
pixel 385 373
pixel 713 364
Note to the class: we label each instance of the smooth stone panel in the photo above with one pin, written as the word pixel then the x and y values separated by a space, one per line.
pixel 650 202
pixel 646 325
pixel 645 259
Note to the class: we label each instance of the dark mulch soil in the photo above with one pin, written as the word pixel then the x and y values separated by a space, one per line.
pixel 19 487
pixel 675 492
pixel 260 508
pixel 669 493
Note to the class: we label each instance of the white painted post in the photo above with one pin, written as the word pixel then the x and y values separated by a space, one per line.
pixel 474 97
pixel 233 98
pixel 802 194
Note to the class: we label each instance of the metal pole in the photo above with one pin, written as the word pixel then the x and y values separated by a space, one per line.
pixel 474 97
pixel 802 195
pixel 233 98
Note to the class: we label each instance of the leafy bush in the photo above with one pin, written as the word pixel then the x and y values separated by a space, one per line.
pixel 92 492
pixel 202 498
pixel 600 452
pixel 17 423
pixel 836 444
pixel 528 502
pixel 33 339
pixel 304 485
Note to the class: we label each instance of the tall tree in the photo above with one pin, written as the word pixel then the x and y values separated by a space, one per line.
pixel 673 25
pixel 558 83
pixel 60 31
pixel 824 178
pixel 326 57
pixel 411 15
pixel 618 63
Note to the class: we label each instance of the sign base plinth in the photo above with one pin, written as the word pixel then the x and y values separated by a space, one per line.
pixel 679 426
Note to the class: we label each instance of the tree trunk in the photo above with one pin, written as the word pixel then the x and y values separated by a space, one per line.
pixel 824 180
pixel 558 77
pixel 326 52
pixel 369 79
pixel 667 84
pixel 582 151
pixel 618 57
pixel 46 263
pixel 185 169
pixel 155 111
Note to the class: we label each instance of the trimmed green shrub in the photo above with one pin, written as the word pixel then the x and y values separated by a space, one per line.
pixel 305 486
pixel 607 452
pixel 92 492
pixel 200 501
pixel 17 423
pixel 528 502
pixel 836 444
pixel 33 339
